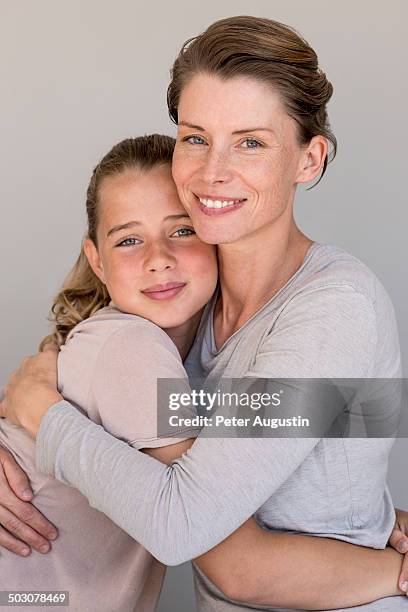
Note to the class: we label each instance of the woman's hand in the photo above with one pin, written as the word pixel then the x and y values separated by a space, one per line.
pixel 22 526
pixel 31 391
pixel 399 541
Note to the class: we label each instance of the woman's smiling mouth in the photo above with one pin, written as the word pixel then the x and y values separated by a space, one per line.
pixel 215 205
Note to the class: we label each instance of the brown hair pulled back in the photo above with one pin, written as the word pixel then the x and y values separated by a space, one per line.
pixel 82 293
pixel 267 51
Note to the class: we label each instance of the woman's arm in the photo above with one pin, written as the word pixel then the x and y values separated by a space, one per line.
pixel 192 505
pixel 294 571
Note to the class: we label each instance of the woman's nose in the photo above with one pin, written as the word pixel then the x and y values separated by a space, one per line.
pixel 216 168
pixel 159 258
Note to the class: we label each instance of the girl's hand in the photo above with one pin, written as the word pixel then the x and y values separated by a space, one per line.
pixel 31 391
pixel 399 541
pixel 22 526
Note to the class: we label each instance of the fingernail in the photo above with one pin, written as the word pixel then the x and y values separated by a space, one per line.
pixel 25 551
pixel 52 535
pixel 27 494
pixel 44 548
pixel 404 586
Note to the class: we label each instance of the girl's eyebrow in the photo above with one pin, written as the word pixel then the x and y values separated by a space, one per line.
pixel 129 224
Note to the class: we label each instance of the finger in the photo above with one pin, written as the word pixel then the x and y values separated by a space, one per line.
pixel 29 515
pixel 403 579
pixel 51 347
pixel 399 541
pixel 12 544
pixel 24 511
pixel 24 362
pixel 18 529
pixel 15 476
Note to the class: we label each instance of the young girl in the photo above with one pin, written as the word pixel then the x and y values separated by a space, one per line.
pixel 141 259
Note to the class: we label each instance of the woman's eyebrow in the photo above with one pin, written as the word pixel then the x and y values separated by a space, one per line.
pixel 254 129
pixel 191 125
pixel 243 131
pixel 129 224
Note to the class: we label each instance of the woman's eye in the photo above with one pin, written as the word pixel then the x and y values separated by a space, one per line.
pixel 251 143
pixel 195 140
pixel 129 242
pixel 184 231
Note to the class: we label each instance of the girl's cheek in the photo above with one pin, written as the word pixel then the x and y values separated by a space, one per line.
pixel 205 260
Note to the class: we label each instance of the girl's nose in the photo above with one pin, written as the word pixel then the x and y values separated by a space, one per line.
pixel 159 259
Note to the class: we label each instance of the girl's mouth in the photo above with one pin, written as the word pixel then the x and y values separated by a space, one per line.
pixel 166 291
pixel 218 205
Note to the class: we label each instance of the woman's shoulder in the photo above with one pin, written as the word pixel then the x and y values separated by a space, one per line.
pixel 329 266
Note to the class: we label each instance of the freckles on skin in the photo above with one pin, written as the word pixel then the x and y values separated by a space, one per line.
pixel 224 113
pixel 146 201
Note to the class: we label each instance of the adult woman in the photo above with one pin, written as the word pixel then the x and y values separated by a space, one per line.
pixel 250 105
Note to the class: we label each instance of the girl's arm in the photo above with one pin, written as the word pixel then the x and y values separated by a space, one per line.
pixel 293 571
pixel 296 571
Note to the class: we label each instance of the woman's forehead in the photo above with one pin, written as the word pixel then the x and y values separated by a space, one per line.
pixel 232 101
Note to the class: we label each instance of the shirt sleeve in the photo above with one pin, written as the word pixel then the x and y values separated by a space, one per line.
pixel 133 361
pixel 180 511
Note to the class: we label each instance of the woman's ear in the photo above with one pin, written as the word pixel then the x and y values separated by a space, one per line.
pixel 94 259
pixel 312 159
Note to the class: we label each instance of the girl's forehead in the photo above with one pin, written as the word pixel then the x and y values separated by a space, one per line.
pixel 146 195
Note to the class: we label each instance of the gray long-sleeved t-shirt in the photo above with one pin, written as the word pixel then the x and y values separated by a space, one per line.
pixel 332 319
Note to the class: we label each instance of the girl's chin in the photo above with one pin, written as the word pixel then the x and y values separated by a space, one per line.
pixel 166 322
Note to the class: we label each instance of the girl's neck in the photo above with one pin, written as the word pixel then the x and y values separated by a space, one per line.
pixel 183 335
pixel 251 272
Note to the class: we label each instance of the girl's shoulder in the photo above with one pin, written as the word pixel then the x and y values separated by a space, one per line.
pixel 110 327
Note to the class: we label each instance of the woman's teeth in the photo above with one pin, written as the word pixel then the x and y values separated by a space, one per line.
pixel 218 203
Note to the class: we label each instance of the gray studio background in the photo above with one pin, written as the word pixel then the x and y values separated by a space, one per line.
pixel 78 76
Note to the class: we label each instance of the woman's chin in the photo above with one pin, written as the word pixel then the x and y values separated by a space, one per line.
pixel 210 233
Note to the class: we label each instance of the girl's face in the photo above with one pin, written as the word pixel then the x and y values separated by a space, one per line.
pixel 237 159
pixel 148 255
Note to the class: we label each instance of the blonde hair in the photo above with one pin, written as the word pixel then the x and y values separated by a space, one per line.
pixel 82 293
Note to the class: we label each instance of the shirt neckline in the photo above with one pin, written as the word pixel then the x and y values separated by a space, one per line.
pixel 310 252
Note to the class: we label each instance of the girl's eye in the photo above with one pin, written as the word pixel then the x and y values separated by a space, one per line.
pixel 184 231
pixel 129 242
pixel 251 143
pixel 194 140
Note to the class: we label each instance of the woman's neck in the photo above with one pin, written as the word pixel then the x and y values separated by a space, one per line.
pixel 251 272
pixel 183 335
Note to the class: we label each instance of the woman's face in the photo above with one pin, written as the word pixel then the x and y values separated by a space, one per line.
pixel 237 159
pixel 148 254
